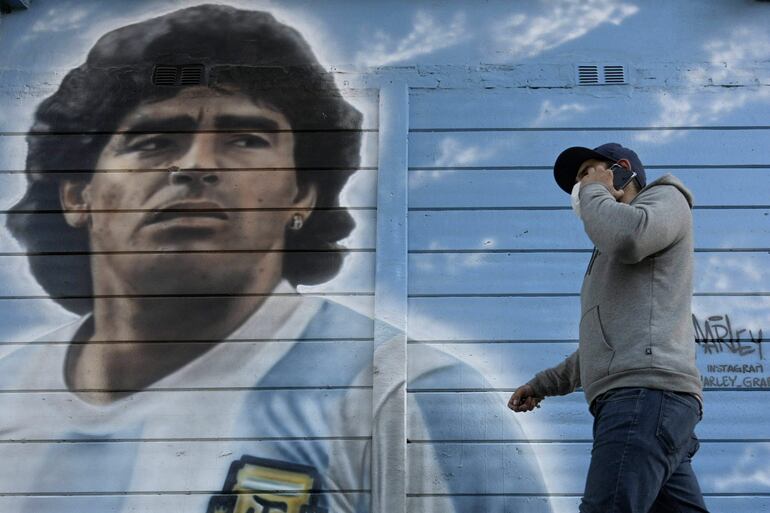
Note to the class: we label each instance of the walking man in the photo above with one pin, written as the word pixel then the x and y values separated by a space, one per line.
pixel 636 357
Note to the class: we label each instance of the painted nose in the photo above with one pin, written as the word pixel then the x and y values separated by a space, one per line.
pixel 198 165
pixel 178 176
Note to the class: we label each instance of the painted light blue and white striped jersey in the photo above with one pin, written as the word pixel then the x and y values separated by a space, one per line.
pixel 278 417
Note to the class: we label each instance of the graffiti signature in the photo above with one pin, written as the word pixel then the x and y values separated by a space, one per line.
pixel 717 334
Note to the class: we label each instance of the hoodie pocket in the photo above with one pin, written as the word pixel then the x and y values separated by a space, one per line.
pixel 595 353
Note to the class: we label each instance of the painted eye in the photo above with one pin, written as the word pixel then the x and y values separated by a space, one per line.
pixel 249 141
pixel 152 144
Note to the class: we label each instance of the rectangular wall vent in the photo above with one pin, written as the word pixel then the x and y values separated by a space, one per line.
pixel 164 75
pixel 614 75
pixel 178 75
pixel 604 74
pixel 191 75
pixel 588 75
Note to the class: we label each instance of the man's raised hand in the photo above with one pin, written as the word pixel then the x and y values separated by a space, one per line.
pixel 602 175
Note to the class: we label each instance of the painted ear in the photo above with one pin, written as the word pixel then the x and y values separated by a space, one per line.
pixel 73 196
pixel 308 199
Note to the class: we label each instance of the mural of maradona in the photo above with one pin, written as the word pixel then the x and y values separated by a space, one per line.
pixel 198 205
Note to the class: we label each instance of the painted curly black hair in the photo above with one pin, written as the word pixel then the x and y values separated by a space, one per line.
pixel 247 51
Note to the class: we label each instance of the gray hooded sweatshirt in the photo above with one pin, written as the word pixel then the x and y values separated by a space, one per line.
pixel 635 322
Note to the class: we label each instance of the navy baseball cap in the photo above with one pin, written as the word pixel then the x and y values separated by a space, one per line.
pixel 568 162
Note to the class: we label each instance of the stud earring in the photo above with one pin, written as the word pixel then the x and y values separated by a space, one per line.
pixel 296 222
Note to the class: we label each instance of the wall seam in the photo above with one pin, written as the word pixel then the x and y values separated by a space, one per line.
pixel 390 304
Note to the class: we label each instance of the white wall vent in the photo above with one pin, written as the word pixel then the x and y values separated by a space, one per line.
pixel 614 74
pixel 601 74
pixel 588 74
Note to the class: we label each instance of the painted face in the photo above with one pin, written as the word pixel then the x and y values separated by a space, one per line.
pixel 194 173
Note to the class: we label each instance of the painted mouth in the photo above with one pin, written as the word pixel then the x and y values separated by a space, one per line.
pixel 188 212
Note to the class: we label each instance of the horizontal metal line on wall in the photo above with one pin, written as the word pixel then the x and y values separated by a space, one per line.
pixel 550 168
pixel 508 494
pixel 547 441
pixel 183 341
pixel 571 294
pixel 189 389
pixel 192 170
pixel 519 341
pixel 491 390
pixel 589 128
pixel 522 441
pixel 347 294
pixel 487 341
pixel 177 252
pixel 194 210
pixel 354 209
pixel 576 495
pixel 486 209
pixel 190 296
pixel 174 492
pixel 193 439
pixel 110 133
pixel 567 250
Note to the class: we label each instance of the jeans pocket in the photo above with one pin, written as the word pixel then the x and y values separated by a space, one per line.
pixel 694 446
pixel 676 423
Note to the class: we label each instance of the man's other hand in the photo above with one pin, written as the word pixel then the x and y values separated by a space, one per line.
pixel 524 399
pixel 600 174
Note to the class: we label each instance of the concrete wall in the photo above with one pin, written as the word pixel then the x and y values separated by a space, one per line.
pixel 200 383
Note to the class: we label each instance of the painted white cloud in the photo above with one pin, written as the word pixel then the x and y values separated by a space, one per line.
pixel 558 23
pixel 728 274
pixel 551 113
pixel 428 35
pixel 726 56
pixel 62 18
pixel 749 472
pixel 453 153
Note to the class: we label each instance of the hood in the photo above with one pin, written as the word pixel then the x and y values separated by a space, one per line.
pixel 669 179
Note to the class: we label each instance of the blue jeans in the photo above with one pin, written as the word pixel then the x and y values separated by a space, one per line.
pixel 642 450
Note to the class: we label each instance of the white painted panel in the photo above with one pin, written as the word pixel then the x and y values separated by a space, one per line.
pixel 737 468
pixel 187 414
pixel 587 107
pixel 560 229
pixel 26 318
pixel 360 282
pixel 481 188
pixel 162 466
pixel 548 318
pixel 25 87
pixel 12 186
pixel 547 273
pixel 147 503
pixel 305 373
pixel 500 365
pixel 514 504
pixel 390 305
pixel 13 151
pixel 364 220
pixel 506 365
pixel 727 415
pixel 484 149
